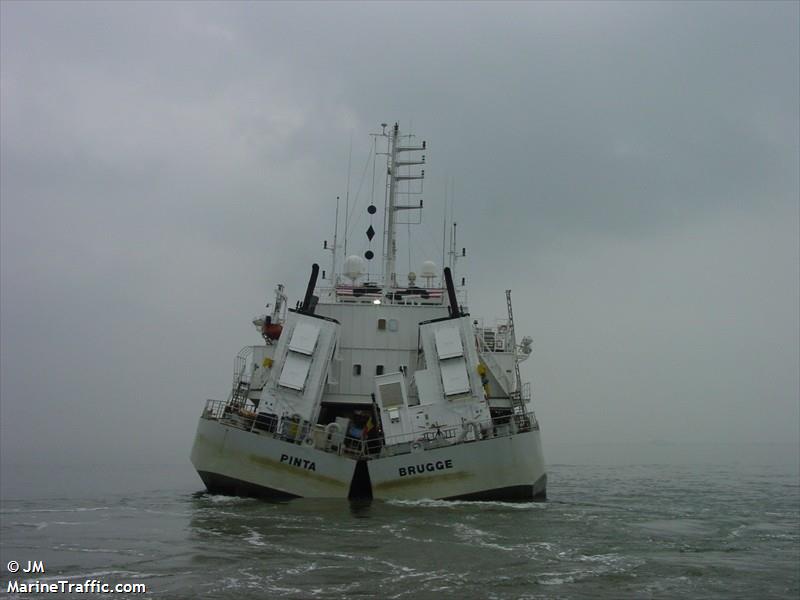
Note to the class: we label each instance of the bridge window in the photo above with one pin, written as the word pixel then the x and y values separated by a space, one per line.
pixel 379 370
pixel 356 370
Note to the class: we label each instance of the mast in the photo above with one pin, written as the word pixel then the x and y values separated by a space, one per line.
pixel 334 277
pixel 333 249
pixel 444 228
pixel 346 197
pixel 393 176
pixel 390 250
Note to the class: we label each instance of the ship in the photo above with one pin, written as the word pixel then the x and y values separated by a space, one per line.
pixel 384 389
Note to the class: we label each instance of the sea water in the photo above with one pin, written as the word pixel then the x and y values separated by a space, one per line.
pixel 628 526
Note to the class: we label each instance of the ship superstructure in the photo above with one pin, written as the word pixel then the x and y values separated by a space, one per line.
pixel 378 389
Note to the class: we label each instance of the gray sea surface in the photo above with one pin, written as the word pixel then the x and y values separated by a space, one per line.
pixel 628 525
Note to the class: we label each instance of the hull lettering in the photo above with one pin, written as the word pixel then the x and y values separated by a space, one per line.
pixel 431 467
pixel 298 462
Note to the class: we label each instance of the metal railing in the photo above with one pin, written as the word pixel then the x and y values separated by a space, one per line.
pixel 330 438
pixel 367 294
pixel 291 429
pixel 469 431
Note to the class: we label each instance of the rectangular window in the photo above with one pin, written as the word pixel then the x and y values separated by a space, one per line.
pixel 295 371
pixel 448 342
pixel 391 395
pixel 454 376
pixel 393 325
pixel 381 324
pixel 304 338
pixel 379 370
pixel 356 370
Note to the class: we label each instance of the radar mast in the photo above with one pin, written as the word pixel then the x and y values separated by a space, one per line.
pixel 393 176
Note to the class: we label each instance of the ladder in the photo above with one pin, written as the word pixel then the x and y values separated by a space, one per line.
pixel 241 379
pixel 515 397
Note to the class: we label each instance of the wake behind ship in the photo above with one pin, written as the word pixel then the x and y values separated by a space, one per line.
pixel 377 389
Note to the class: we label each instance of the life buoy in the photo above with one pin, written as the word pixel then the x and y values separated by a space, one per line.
pixel 416 447
pixel 308 441
pixel 272 330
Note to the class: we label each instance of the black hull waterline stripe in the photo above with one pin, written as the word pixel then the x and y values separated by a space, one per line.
pixel 229 486
pixel 515 493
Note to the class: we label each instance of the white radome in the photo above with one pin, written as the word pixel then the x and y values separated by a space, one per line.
pixel 428 269
pixel 353 267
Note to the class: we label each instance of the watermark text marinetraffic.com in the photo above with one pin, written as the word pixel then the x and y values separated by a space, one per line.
pixel 52 585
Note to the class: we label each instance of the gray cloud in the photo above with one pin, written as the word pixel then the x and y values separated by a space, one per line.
pixel 629 169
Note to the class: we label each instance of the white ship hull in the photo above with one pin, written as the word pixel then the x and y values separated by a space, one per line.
pixel 234 461
pixel 503 468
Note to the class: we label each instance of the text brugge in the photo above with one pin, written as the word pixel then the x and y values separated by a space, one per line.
pixel 439 465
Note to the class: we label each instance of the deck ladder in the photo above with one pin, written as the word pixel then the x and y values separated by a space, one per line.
pixel 517 402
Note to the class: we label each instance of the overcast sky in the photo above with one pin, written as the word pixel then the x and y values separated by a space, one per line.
pixel 629 170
